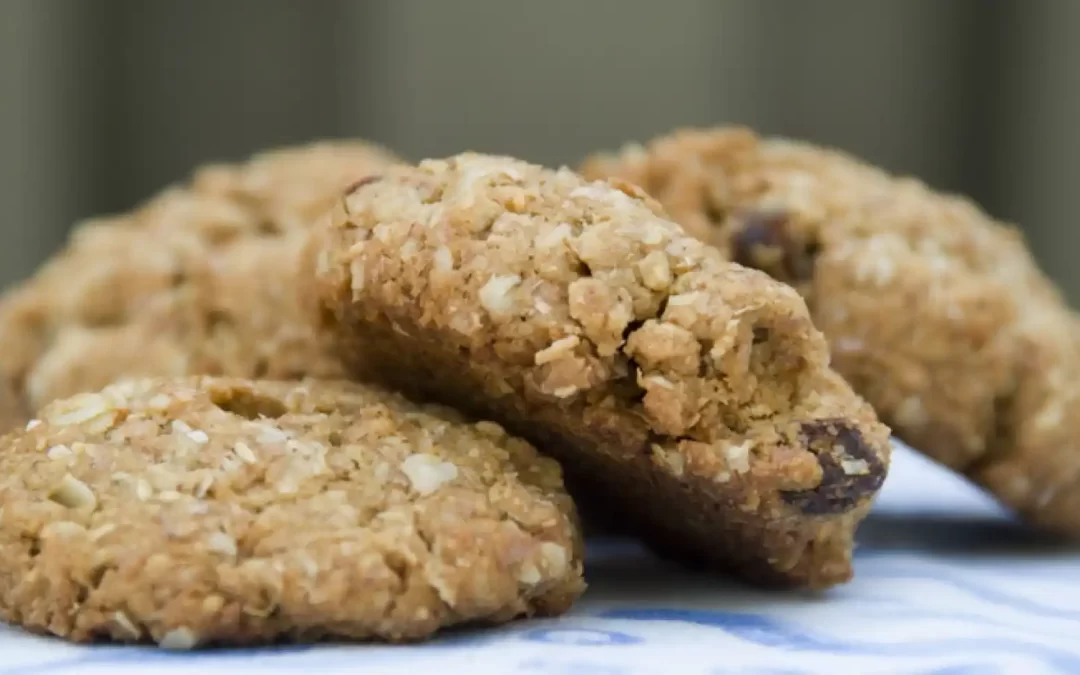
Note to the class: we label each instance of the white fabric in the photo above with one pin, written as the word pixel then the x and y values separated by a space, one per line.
pixel 945 584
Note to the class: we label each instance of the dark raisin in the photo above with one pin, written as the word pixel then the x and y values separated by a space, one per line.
pixel 756 233
pixel 839 491
pixel 762 240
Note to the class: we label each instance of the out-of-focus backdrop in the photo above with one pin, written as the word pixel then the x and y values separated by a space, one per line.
pixel 103 103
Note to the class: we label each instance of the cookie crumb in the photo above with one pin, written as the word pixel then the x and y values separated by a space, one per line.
pixel 558 349
pixel 245 453
pixel 496 296
pixel 58 452
pixel 219 542
pixel 427 473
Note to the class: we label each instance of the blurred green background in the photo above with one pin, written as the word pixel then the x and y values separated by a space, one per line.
pixel 106 101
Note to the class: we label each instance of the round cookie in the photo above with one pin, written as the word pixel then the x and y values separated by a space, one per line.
pixel 237 313
pixel 935 313
pixel 203 274
pixel 206 511
pixel 692 394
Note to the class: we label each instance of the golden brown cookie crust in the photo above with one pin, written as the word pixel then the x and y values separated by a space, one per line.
pixel 204 274
pixel 206 511
pixel 935 312
pixel 692 393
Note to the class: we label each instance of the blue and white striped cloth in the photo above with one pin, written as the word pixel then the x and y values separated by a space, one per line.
pixel 946 584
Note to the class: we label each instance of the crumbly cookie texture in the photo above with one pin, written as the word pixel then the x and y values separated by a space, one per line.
pixel 935 313
pixel 208 511
pixel 203 276
pixel 691 393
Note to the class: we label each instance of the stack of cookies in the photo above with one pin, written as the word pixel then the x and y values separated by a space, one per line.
pixel 331 394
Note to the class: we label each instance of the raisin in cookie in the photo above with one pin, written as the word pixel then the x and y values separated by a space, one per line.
pixel 692 393
pixel 203 275
pixel 202 511
pixel 935 313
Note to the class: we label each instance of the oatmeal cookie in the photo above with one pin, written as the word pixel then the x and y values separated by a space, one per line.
pixel 203 275
pixel 692 394
pixel 207 511
pixel 935 312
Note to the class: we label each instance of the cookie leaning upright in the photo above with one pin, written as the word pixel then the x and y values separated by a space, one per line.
pixel 935 312
pixel 692 394
pixel 205 511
